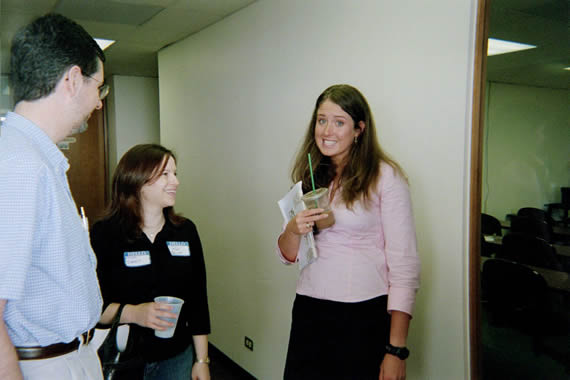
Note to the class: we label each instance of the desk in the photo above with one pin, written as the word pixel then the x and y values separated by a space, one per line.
pixel 554 279
pixel 493 239
pixel 562 250
pixel 557 229
pixel 561 230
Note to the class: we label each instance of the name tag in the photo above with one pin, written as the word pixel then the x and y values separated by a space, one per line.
pixel 137 258
pixel 178 248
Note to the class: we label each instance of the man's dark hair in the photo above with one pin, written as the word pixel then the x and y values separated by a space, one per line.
pixel 43 50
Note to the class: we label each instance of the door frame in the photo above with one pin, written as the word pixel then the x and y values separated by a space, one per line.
pixel 475 191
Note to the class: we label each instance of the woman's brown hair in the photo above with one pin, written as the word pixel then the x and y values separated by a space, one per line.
pixel 362 169
pixel 140 165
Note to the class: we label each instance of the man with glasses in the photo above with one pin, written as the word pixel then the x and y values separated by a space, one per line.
pixel 103 89
pixel 103 92
pixel 49 294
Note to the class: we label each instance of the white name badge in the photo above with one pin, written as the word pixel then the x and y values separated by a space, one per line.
pixel 137 258
pixel 178 248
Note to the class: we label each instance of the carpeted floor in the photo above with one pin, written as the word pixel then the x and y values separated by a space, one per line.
pixel 223 368
pixel 509 354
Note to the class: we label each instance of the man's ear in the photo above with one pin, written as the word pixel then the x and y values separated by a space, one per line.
pixel 72 81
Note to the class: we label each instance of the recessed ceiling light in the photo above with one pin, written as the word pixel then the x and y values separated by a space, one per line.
pixel 496 47
pixel 103 43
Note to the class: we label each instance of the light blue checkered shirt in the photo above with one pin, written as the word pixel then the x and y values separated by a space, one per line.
pixel 47 267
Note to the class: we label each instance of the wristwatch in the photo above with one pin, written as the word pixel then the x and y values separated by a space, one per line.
pixel 400 352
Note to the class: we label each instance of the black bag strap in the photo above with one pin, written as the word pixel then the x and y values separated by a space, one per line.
pixel 114 322
pixel 117 317
pixel 108 351
pixel 128 364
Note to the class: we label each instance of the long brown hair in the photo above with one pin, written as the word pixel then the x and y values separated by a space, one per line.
pixel 139 166
pixel 362 169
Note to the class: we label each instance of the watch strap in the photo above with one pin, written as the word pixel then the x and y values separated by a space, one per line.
pixel 400 352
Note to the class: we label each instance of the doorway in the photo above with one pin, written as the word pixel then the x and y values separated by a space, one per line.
pixel 509 81
pixel 87 175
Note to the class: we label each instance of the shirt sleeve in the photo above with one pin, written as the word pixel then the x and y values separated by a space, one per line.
pixel 20 194
pixel 200 314
pixel 400 241
pixel 278 250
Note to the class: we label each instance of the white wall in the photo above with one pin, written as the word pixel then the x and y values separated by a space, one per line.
pixel 6 101
pixel 526 148
pixel 132 115
pixel 235 102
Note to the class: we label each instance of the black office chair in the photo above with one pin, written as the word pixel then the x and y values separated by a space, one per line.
pixel 532 227
pixel 529 250
pixel 514 294
pixel 490 225
pixel 535 213
pixel 518 297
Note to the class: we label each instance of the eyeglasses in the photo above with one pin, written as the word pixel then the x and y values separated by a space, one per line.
pixel 103 89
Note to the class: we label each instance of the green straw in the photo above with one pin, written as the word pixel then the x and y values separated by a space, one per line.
pixel 311 169
pixel 312 178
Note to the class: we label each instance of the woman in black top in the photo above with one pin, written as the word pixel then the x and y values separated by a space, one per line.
pixel 145 250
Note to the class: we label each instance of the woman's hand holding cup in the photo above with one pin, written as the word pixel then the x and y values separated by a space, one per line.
pixel 149 315
pixel 304 221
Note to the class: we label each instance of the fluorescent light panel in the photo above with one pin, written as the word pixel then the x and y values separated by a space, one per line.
pixel 103 43
pixel 496 47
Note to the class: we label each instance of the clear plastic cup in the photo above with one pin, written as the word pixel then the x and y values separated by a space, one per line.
pixel 319 198
pixel 176 304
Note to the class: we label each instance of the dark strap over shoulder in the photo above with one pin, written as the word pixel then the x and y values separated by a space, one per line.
pixel 108 351
pixel 117 317
pixel 115 321
pixel 128 364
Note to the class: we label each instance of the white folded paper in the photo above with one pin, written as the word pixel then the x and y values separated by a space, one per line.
pixel 290 205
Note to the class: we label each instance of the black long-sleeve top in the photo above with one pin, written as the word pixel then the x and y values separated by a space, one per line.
pixel 134 272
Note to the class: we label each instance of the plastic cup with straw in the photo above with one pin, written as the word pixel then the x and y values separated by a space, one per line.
pixel 320 197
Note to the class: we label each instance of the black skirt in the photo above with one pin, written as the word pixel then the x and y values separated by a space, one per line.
pixel 337 340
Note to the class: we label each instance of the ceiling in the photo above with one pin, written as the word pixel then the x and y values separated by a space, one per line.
pixel 140 27
pixel 543 23
pixel 143 27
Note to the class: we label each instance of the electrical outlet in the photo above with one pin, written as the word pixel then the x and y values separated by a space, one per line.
pixel 248 343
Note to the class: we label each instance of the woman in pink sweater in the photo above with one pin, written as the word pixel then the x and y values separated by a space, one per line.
pixel 354 303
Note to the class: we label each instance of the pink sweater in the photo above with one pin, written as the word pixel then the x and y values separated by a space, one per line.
pixel 367 252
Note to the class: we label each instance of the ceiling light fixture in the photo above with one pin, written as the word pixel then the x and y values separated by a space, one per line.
pixel 496 47
pixel 103 43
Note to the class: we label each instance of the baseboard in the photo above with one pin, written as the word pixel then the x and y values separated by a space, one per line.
pixel 219 356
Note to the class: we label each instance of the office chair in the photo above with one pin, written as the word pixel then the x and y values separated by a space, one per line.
pixel 529 250
pixel 514 293
pixel 532 227
pixel 518 297
pixel 535 213
pixel 490 225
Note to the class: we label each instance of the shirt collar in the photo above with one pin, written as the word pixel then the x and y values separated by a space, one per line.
pixel 39 138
